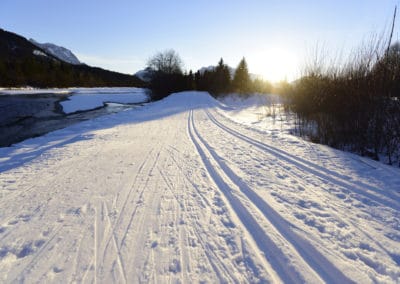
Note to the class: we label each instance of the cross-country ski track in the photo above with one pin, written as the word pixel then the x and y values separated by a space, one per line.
pixel 178 192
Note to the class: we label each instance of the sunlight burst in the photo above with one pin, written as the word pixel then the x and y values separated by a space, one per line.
pixel 275 65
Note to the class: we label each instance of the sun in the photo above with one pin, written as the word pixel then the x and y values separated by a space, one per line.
pixel 275 65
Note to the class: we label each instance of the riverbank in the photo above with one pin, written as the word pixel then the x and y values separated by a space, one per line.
pixel 26 116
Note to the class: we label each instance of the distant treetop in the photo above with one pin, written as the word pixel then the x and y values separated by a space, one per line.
pixel 168 62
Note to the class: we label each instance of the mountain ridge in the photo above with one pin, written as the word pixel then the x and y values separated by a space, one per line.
pixel 62 53
pixel 23 63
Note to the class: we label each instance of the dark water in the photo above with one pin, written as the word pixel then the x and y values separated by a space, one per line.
pixel 27 116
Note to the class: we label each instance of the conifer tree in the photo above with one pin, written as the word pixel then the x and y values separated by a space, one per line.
pixel 222 78
pixel 241 80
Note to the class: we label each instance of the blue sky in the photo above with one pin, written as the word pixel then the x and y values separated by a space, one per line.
pixel 274 36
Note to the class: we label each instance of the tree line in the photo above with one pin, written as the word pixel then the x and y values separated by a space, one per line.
pixel 19 67
pixel 168 77
pixel 353 105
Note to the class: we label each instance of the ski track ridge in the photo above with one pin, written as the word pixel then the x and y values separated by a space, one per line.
pixel 298 176
pixel 310 254
pixel 322 174
pixel 272 252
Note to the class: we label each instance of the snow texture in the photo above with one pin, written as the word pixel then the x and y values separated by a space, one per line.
pixel 145 74
pixel 178 192
pixel 90 100
pixel 39 53
pixel 58 91
pixel 59 52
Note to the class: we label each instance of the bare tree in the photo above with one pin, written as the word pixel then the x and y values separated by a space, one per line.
pixel 168 62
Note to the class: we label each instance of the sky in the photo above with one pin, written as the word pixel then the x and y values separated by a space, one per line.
pixel 275 36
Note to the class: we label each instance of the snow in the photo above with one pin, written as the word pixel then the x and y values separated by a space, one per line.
pixel 189 189
pixel 59 52
pixel 85 100
pixel 145 74
pixel 39 53
pixel 75 90
pixel 33 91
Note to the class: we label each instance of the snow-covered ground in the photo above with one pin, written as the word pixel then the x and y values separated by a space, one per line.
pixel 84 100
pixel 33 91
pixel 181 190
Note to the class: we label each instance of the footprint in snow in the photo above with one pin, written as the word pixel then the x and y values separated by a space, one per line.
pixel 57 269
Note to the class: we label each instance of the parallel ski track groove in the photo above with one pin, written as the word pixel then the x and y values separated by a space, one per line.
pixel 311 168
pixel 318 262
pixel 351 221
pixel 272 252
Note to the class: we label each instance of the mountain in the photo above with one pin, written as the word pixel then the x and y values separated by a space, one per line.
pixel 145 75
pixel 58 51
pixel 23 63
pixel 210 68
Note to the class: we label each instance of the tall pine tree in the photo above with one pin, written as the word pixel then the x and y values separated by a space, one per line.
pixel 222 78
pixel 241 80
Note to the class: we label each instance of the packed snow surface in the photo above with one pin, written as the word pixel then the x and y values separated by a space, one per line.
pixel 89 100
pixel 179 191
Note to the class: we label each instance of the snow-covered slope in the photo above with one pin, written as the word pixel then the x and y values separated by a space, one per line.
pixel 145 74
pixel 177 192
pixel 58 51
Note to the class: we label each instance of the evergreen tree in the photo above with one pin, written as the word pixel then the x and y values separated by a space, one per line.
pixel 190 81
pixel 241 80
pixel 222 78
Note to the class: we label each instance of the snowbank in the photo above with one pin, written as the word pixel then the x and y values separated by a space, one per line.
pixel 33 91
pixel 102 90
pixel 87 100
pixel 260 111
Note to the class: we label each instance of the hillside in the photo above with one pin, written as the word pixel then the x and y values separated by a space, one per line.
pixel 24 64
pixel 59 52
pixel 176 192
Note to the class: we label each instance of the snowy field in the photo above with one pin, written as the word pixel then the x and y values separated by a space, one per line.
pixel 88 101
pixel 191 190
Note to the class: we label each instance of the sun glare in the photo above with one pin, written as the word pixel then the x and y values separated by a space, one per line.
pixel 275 65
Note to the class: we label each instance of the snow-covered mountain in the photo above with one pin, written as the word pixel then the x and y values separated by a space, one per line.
pixel 59 52
pixel 145 74
pixel 209 69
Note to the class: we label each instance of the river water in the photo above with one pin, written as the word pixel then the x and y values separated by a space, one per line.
pixel 27 116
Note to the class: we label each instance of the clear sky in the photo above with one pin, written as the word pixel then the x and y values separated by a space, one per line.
pixel 275 36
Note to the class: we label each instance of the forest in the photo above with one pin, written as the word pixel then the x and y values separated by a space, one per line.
pixel 20 67
pixel 352 105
